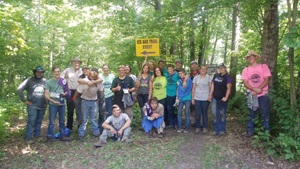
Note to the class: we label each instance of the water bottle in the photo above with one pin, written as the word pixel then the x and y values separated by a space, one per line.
pixel 61 99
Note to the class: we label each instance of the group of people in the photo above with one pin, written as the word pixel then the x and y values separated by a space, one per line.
pixel 164 94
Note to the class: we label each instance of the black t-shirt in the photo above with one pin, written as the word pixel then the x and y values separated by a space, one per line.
pixel 126 83
pixel 220 85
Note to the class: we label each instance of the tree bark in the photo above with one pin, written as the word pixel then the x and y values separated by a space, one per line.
pixel 234 47
pixel 292 16
pixel 270 40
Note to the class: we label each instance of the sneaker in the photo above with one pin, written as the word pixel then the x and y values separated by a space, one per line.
pixel 96 135
pixel 80 138
pixel 179 130
pixel 29 141
pixel 126 139
pixel 197 130
pixel 222 133
pixel 100 143
pixel 247 134
pixel 149 134
pixel 50 140
pixel 204 130
pixel 160 135
pixel 65 139
pixel 186 131
pixel 215 133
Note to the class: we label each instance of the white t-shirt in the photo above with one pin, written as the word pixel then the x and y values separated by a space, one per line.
pixel 117 122
pixel 202 87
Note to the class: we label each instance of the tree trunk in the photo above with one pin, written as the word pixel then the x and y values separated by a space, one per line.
pixel 192 40
pixel 202 42
pixel 292 16
pixel 270 40
pixel 234 47
pixel 214 50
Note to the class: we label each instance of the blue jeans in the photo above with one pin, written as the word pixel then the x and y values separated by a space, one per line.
pixel 201 112
pixel 89 108
pixel 108 105
pixel 34 122
pixel 170 110
pixel 219 112
pixel 187 104
pixel 53 110
pixel 264 106
pixel 142 99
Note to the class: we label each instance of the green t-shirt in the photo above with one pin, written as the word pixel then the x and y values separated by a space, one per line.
pixel 54 89
pixel 159 87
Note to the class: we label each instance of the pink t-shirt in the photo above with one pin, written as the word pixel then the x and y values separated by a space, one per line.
pixel 255 76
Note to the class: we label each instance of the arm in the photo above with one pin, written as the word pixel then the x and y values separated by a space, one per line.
pixel 224 99
pixel 127 124
pixel 150 88
pixel 137 85
pixel 211 92
pixel 145 61
pixel 21 89
pixel 193 93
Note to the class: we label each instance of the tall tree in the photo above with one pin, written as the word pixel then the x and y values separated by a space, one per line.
pixel 270 39
pixel 292 16
pixel 234 47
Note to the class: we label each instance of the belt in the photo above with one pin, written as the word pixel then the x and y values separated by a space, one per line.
pixel 88 100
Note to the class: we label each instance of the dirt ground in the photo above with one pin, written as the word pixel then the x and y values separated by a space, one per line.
pixel 174 151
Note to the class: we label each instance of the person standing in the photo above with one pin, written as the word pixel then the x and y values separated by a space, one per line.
pixel 184 95
pixel 194 72
pixel 178 65
pixel 158 89
pixel 122 87
pixel 219 95
pixel 35 102
pixel 172 78
pixel 108 94
pixel 72 74
pixel 256 79
pixel 57 91
pixel 143 84
pixel 200 94
pixel 89 103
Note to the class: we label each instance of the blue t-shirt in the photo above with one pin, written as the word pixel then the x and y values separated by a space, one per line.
pixel 185 93
pixel 172 83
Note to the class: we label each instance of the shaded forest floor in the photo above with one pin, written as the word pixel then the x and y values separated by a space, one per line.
pixel 175 150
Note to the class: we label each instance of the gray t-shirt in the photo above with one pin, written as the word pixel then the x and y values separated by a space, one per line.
pixel 202 87
pixel 117 122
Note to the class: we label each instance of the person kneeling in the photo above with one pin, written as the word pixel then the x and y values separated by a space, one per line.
pixel 117 125
pixel 154 117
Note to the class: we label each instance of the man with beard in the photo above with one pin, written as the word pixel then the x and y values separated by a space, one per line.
pixel 35 102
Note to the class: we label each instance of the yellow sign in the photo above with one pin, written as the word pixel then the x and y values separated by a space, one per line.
pixel 149 46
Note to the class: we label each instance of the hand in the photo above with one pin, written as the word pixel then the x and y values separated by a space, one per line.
pixel 113 131
pixel 90 83
pixel 257 90
pixel 224 99
pixel 193 102
pixel 120 132
pixel 209 98
pixel 56 103
pixel 118 87
pixel 184 84
pixel 27 102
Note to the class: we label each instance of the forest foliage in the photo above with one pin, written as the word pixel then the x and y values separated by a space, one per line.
pixel 52 32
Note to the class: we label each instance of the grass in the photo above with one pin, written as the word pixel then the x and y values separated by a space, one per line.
pixel 142 153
